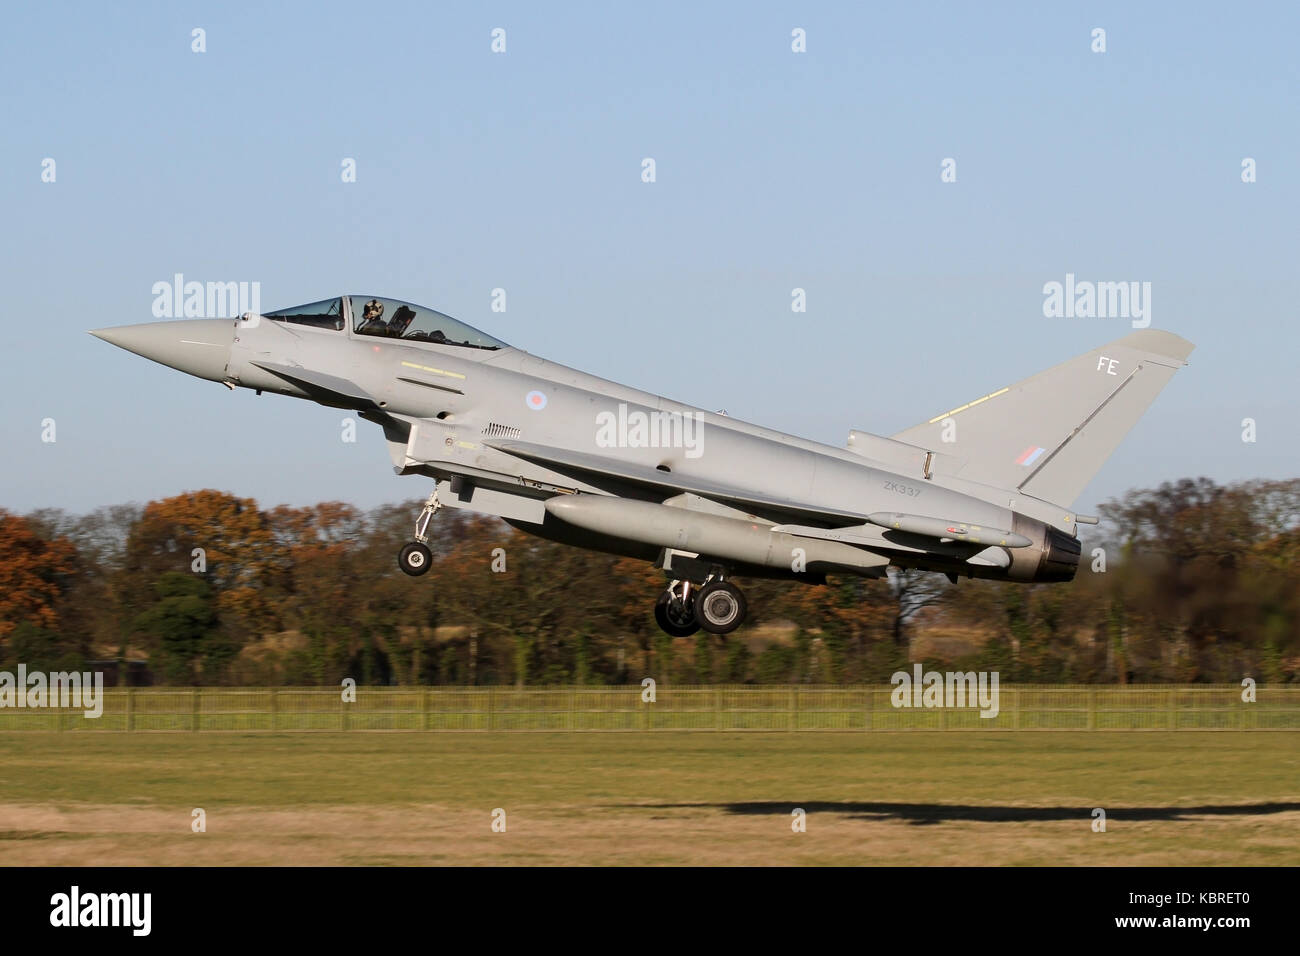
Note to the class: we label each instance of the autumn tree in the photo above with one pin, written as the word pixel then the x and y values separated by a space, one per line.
pixel 224 538
pixel 34 573
pixel 1192 581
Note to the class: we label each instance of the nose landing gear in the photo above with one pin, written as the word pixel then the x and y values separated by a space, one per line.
pixel 414 558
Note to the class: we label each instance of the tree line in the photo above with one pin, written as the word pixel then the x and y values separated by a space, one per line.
pixel 1191 581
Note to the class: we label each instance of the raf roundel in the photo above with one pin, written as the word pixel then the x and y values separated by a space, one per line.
pixel 535 400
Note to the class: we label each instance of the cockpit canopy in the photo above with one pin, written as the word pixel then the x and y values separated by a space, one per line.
pixel 393 318
pixel 318 315
pixel 388 318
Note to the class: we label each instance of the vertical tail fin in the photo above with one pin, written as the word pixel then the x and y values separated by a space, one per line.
pixel 1048 435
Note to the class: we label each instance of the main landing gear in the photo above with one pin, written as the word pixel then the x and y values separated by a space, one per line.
pixel 717 606
pixel 414 558
pixel 675 610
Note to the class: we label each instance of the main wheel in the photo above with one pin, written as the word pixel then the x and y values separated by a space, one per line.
pixel 720 607
pixel 674 617
pixel 414 559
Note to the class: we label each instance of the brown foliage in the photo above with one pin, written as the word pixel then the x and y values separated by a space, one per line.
pixel 34 572
pixel 1202 583
pixel 239 550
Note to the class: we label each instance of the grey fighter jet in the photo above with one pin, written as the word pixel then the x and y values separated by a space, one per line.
pixel 983 490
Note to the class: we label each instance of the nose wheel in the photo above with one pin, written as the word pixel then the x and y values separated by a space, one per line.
pixel 414 558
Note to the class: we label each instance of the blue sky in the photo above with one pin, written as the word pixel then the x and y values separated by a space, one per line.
pixel 522 171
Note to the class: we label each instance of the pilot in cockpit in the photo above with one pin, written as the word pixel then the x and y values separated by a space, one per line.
pixel 372 317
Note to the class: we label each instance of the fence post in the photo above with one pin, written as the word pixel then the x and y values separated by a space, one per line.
pixel 1092 708
pixel 197 707
pixel 424 708
pixel 1015 709
pixel 491 694
pixel 717 709
pixel 344 723
pixel 130 708
pixel 1169 697
pixel 871 709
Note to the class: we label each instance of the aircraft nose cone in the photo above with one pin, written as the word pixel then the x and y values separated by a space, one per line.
pixel 197 346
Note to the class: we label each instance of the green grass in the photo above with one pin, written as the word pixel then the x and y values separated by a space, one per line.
pixel 927 798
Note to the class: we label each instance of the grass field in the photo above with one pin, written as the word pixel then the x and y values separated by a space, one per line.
pixel 926 798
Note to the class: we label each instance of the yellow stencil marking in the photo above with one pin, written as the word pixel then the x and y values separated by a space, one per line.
pixel 939 418
pixel 435 371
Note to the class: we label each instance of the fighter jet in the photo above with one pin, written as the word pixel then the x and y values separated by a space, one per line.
pixel 983 490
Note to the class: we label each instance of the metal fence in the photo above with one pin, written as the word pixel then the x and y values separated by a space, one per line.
pixel 723 708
